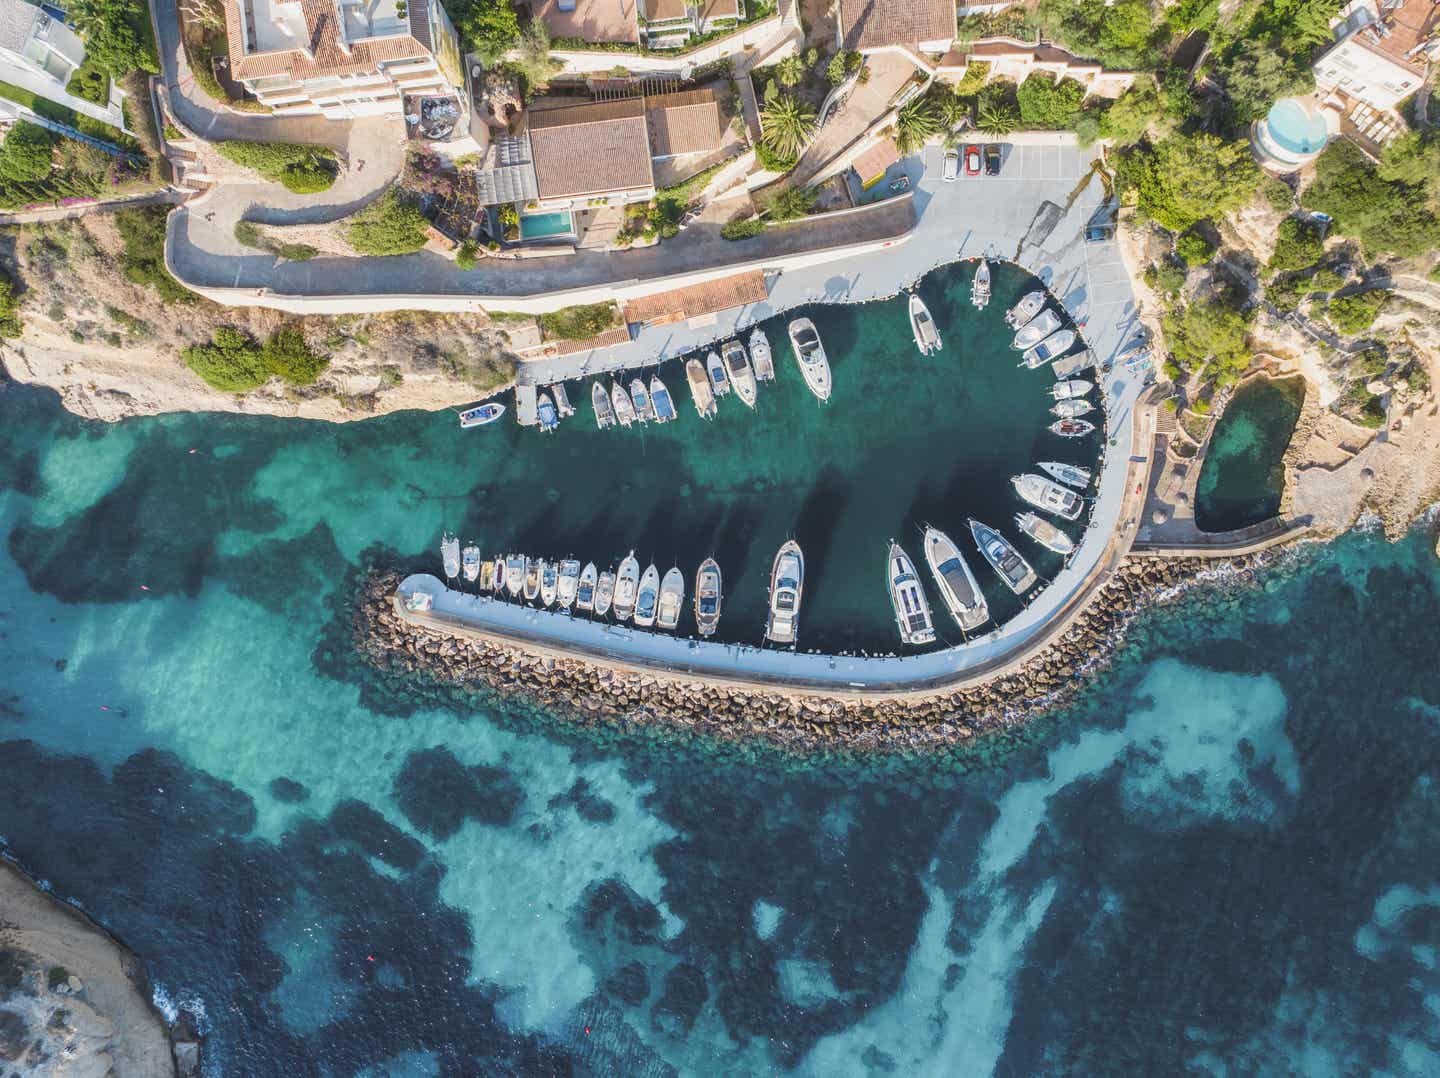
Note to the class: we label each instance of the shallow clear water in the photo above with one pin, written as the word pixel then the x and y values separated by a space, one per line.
pixel 1243 476
pixel 1221 859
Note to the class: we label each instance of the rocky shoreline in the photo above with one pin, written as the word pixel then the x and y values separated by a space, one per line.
pixel 592 693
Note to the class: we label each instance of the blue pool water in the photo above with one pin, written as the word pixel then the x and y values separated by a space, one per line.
pixel 538 226
pixel 1296 129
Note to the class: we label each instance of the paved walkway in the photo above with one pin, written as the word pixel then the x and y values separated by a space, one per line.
pixel 167 197
pixel 867 102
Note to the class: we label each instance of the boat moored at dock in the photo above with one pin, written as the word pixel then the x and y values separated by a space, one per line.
pixel 568 583
pixel 624 410
pixel 532 579
pixel 470 563
pixel 549 582
pixel 604 593
pixel 1028 307
pixel 922 326
pixel 708 596
pixel 497 576
pixel 787 585
pixel 719 380
pixel 810 355
pixel 907 596
pixel 585 588
pixel 516 569
pixel 1071 428
pixel 481 415
pixel 600 401
pixel 761 356
pixel 980 286
pixel 1044 533
pixel 700 390
pixel 627 581
pixel 742 376
pixel 450 555
pixel 1048 495
pixel 660 400
pixel 1071 409
pixel 1052 347
pixel 672 600
pixel 487 575
pixel 1014 570
pixel 962 595
pixel 1070 389
pixel 647 598
pixel 546 414
pixel 562 400
pixel 640 398
pixel 1036 330
pixel 1070 474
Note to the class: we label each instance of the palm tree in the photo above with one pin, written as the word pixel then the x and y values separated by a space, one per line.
pixel 997 119
pixel 915 123
pixel 787 124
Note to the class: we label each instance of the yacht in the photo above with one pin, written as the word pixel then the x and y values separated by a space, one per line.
pixel 450 555
pixel 604 593
pixel 1036 330
pixel 1070 474
pixel 700 391
pixel 626 581
pixel 497 578
pixel 672 600
pixel 600 400
pixel 487 575
pixel 533 570
pixel 640 397
pixel 549 582
pixel 660 400
pixel 585 588
pixel 810 354
pixel 545 414
pixel 761 356
pixel 927 337
pixel 517 567
pixel 647 599
pixel 1028 307
pixel 719 380
pixel 1071 409
pixel 737 366
pixel 470 563
pixel 787 582
pixel 708 594
pixel 1071 428
pixel 1044 533
pixel 1048 495
pixel 624 410
pixel 980 287
pixel 568 583
pixel 962 595
pixel 912 612
pixel 1003 558
pixel 1052 347
pixel 1070 389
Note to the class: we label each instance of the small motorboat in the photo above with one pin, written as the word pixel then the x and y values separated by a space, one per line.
pixel 927 337
pixel 1003 558
pixel 1048 495
pixel 1071 365
pixel 647 599
pixel 545 414
pixel 672 600
pixel 708 588
pixel 562 400
pixel 1070 474
pixel 532 579
pixel 487 575
pixel 624 410
pixel 1044 533
pixel 787 583
pixel 912 611
pixel 742 375
pixel 482 414
pixel 585 587
pixel 470 563
pixel 450 555
pixel 980 286
pixel 700 391
pixel 640 398
pixel 1036 330
pixel 517 567
pixel 810 354
pixel 1071 388
pixel 1071 409
pixel 1028 307
pixel 627 580
pixel 1052 347
pixel 1072 428
pixel 963 597
pixel 761 356
pixel 604 593
pixel 719 380
pixel 568 583
pixel 497 573
pixel 660 400
pixel 600 401
pixel 549 582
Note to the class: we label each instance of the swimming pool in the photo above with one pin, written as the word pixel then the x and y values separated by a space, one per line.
pixel 1295 128
pixel 539 226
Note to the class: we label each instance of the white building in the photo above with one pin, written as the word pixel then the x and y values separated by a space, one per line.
pixel 1380 58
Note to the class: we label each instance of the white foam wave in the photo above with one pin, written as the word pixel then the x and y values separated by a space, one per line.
pixel 171 1004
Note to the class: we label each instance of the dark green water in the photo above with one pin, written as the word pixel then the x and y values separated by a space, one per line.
pixel 1243 477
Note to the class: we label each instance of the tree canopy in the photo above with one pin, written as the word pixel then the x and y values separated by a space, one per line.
pixel 1385 215
pixel 488 27
pixel 117 35
pixel 1258 75
pixel 1046 103
pixel 1209 339
pixel 1187 178
pixel 388 226
pixel 27 154
pixel 1129 117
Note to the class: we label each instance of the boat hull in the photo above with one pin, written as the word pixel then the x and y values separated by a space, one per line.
pixel 787 584
pixel 1009 566
pixel 907 598
pixel 956 583
pixel 709 596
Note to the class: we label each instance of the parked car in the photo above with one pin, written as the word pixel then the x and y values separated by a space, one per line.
pixel 952 166
pixel 972 160
pixel 992 160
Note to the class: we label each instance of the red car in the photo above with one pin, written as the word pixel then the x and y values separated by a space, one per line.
pixel 972 160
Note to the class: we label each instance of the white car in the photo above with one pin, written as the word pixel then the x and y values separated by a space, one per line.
pixel 952 166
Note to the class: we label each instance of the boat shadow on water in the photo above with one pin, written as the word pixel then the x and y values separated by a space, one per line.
pixel 815 525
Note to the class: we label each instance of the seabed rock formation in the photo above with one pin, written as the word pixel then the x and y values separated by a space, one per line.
pixel 592 693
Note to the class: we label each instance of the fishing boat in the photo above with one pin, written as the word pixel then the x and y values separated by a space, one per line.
pixel 481 414
pixel 647 599
pixel 980 286
pixel 660 400
pixel 810 354
pixel 640 398
pixel 761 356
pixel 708 588
pixel 1072 428
pixel 450 555
pixel 787 583
pixel 600 401
pixel 1071 409
pixel 927 337
pixel 562 400
pixel 549 582
pixel 497 576
pixel 1044 533
pixel 1003 558
pixel 545 414
pixel 604 593
pixel 1028 307
pixel 1050 348
pixel 624 410
pixel 487 575
pixel 532 579
pixel 585 589
pixel 742 375
pixel 912 612
pixel 1048 495
pixel 568 583
pixel 963 597
pixel 672 600
pixel 1070 474
pixel 719 380
pixel 470 563
pixel 626 581
pixel 1036 330
pixel 1071 365
pixel 700 391
pixel 516 568
pixel 1071 388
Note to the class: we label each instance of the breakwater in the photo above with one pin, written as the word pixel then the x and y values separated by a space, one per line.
pixel 591 692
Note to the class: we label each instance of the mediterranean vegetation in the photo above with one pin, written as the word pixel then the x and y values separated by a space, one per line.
pixel 252 235
pixel 1390 208
pixel 787 124
pixel 235 362
pixel 143 260
pixel 581 322
pixel 1356 312
pixel 10 324
pixel 117 36
pixel 301 169
pixel 388 226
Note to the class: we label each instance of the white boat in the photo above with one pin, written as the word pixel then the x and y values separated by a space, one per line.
pixel 1048 495
pixel 470 563
pixel 737 366
pixel 626 581
pixel 907 596
pixel 585 588
pixel 549 582
pixel 980 286
pixel 708 596
pixel 562 400
pixel 1071 365
pixel 962 595
pixel 647 599
pixel 810 354
pixel 450 555
pixel 516 567
pixel 787 584
pixel 927 337
pixel 1071 388
pixel 761 356
pixel 640 398
pixel 546 414
pixel 660 400
pixel 532 579
pixel 672 600
pixel 487 575
pixel 568 584
pixel 624 410
pixel 1071 428
pixel 481 414
pixel 1070 474
pixel 1044 533
pixel 604 593
pixel 1003 558
pixel 1028 307
pixel 497 577
pixel 700 391
pixel 1052 347
pixel 1036 330
pixel 600 401
pixel 1071 409
pixel 719 380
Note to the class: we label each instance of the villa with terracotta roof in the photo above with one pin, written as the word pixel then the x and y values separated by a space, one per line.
pixel 342 58
pixel 601 21
pixel 669 24
pixel 591 153
pixel 686 123
pixel 1009 58
pixel 902 25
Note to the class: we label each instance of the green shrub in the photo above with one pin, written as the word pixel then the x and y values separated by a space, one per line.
pixel 742 230
pixel 1209 339
pixel 27 154
pixel 143 261
pixel 791 203
pixel 91 83
pixel 233 361
pixel 1188 178
pixel 1166 278
pixel 1417 378
pixel 1435 272
pixel 1046 103
pixel 772 161
pixel 580 322
pixel 296 252
pixel 301 169
pixel 388 226
pixel 1297 245
pixel 1384 215
pixel 1326 279
pixel 1369 411
pixel 1130 115
pixel 1194 249
pixel 466 256
pixel 10 324
pixel 117 33
pixel 286 354
pixel 1356 312
pixel 248 234
pixel 1278 194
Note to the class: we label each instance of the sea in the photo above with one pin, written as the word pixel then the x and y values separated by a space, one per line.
pixel 1223 858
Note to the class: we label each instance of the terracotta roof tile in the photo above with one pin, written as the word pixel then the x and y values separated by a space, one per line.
pixel 685 123
pixel 328 55
pixel 707 297
pixel 590 149
pixel 662 10
pixel 875 24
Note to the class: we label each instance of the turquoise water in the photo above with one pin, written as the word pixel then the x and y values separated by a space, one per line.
pixel 1243 477
pixel 1296 129
pixel 536 226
